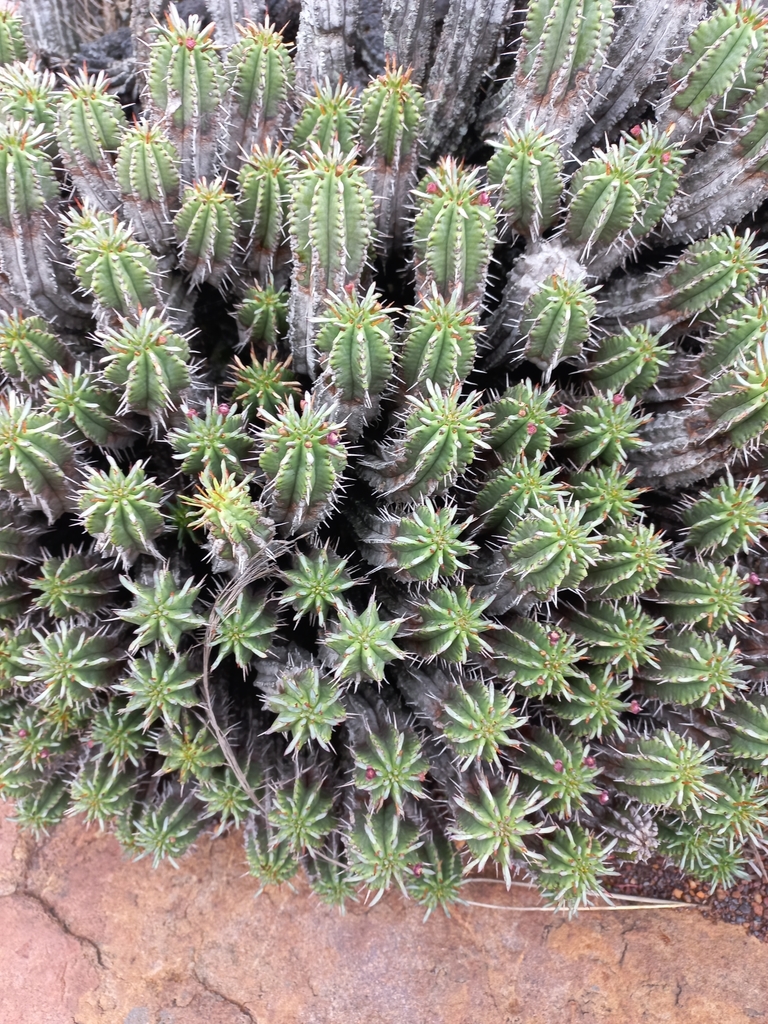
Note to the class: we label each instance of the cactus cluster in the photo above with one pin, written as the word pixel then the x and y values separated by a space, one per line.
pixel 402 507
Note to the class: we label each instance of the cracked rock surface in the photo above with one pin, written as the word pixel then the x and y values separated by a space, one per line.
pixel 89 938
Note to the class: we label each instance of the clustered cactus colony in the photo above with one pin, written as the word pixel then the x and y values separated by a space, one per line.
pixel 404 591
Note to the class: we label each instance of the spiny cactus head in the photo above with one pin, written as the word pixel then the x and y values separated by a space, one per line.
pixel 528 169
pixel 383 849
pixel 162 610
pixel 91 121
pixel 12 44
pixel 523 421
pixel 269 862
pixel 185 76
pixel 603 427
pixel 213 440
pixel 631 560
pixel 112 266
pixel 160 686
pixel 166 830
pixel 237 527
pixel 661 161
pixel 620 635
pixel 264 183
pixel 147 164
pixel 70 662
pixel 74 585
pixel 101 795
pixel 692 669
pixel 355 341
pixel 437 880
pixel 390 764
pixel 739 400
pixel 263 314
pixel 119 739
pixel 494 824
pixel 122 510
pixel 607 192
pixel 427 544
pixel 303 457
pixel 331 116
pixel 26 171
pixel 149 361
pixel 665 770
pixel 555 321
pixel 450 624
pixel 307 706
pixel 28 350
pixel 392 113
pixel 28 93
pixel 561 769
pixel 607 492
pixel 444 433
pixel 206 226
pixel 695 593
pixel 539 660
pixel 454 230
pixel 572 867
pixel 725 54
pixel 476 722
pixel 514 488
pixel 628 362
pixel 316 583
pixel 595 704
pixel 260 70
pixel 265 384
pixel 245 631
pixel 726 519
pixel 300 816
pixel 362 645
pixel 715 272
pixel 440 342
pixel 552 548
pixel 736 335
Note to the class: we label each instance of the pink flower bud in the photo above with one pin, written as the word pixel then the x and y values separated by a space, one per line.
pixel 191 414
pixel 432 187
pixel 44 752
pixel 483 200
pixel 23 733
pixel 562 410
pixel 189 43
pixel 603 798
pixel 558 766
pixel 224 409
pixel 531 429
pixel 418 870
pixel 618 399
pixel 636 131
pixel 754 579
pixel 666 157
pixel 589 761
pixel 332 438
pixel 370 773
pixel 553 636
pixel 635 707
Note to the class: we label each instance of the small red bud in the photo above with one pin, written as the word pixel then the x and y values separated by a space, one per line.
pixel 224 409
pixel 332 438
pixel 370 773
pixel 558 766
pixel 349 288
pixel 541 681
pixel 754 579
pixel 635 707
pixel 44 752
pixel 432 187
pixel 618 399
pixel 483 200
pixel 191 414
pixel 23 733
pixel 531 429
pixel 89 744
pixel 589 761
pixel 666 157
pixel 562 410
pixel 553 636
pixel 636 131
pixel 418 870
pixel 603 798
pixel 189 43
pixel 303 404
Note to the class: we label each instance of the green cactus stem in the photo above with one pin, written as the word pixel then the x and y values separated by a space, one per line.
pixel 528 169
pixel 555 322
pixel 122 510
pixel 147 172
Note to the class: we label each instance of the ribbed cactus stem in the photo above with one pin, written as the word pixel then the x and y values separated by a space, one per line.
pixel 147 171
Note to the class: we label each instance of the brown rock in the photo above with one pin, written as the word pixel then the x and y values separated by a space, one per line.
pixel 88 938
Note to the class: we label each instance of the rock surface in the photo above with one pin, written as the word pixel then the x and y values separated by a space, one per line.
pixel 89 938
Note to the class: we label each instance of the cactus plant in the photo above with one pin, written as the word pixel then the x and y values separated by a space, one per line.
pixel 435 487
